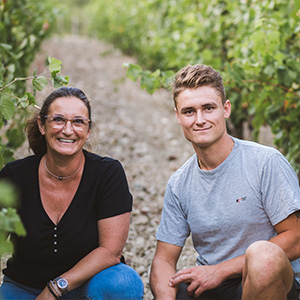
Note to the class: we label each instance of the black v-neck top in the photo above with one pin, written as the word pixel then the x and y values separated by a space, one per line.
pixel 48 250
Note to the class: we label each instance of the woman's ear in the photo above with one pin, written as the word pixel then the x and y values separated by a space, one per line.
pixel 41 126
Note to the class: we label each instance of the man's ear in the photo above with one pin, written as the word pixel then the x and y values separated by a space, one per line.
pixel 227 109
pixel 41 126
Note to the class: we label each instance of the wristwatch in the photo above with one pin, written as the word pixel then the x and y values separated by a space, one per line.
pixel 62 284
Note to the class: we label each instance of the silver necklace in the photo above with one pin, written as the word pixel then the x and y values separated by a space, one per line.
pixel 60 177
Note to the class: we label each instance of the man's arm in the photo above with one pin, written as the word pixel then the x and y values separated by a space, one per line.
pixel 162 269
pixel 207 277
pixel 288 237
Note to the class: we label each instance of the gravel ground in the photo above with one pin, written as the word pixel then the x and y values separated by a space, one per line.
pixel 132 126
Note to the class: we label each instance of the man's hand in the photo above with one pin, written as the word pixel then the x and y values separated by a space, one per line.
pixel 199 279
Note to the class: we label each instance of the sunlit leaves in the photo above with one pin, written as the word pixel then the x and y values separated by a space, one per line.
pixel 150 81
pixel 254 44
pixel 54 65
pixel 39 83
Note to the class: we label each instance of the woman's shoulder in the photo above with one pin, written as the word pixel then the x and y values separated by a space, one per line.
pixel 93 157
pixel 96 160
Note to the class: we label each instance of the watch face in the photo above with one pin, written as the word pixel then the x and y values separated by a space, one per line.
pixel 62 283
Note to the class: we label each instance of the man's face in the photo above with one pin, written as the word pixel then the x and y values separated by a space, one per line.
pixel 202 115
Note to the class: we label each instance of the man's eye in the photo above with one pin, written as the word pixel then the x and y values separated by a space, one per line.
pixel 188 112
pixel 209 108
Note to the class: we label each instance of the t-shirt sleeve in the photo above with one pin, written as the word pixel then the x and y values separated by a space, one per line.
pixel 173 228
pixel 280 189
pixel 114 197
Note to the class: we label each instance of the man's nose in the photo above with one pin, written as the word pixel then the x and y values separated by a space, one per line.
pixel 200 118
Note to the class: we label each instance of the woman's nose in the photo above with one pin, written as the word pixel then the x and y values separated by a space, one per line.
pixel 68 128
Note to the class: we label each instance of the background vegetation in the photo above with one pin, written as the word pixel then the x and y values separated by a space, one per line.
pixel 254 44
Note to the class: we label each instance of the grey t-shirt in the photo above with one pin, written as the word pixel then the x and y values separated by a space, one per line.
pixel 232 206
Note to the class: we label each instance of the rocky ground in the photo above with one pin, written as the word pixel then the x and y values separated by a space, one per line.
pixel 132 126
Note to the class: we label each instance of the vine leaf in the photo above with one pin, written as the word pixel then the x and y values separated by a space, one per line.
pixel 7 107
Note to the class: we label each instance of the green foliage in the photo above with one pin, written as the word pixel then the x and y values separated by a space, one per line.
pixel 254 44
pixel 9 219
pixel 150 81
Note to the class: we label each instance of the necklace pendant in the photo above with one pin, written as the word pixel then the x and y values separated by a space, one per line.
pixel 60 178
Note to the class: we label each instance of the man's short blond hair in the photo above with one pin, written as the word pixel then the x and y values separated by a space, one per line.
pixel 196 76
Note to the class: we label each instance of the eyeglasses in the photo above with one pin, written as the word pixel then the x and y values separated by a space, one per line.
pixel 59 122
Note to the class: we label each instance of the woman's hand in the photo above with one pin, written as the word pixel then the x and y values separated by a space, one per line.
pixel 45 295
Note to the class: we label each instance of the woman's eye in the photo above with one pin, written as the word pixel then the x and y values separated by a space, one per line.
pixel 78 121
pixel 59 119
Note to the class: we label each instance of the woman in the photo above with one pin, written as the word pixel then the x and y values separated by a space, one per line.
pixel 75 206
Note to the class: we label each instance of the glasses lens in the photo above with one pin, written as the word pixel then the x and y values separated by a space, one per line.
pixel 79 123
pixel 57 121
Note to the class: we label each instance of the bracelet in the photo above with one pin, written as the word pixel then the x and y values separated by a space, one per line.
pixel 56 288
pixel 52 292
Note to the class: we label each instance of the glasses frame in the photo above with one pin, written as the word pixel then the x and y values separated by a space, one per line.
pixel 56 126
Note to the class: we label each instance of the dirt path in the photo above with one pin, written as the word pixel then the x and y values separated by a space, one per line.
pixel 138 129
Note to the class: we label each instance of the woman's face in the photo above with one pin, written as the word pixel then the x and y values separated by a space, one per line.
pixel 66 139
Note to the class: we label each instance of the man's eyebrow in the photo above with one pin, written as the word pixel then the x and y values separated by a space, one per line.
pixel 209 104
pixel 204 105
pixel 183 109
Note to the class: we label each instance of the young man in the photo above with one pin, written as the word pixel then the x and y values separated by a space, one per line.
pixel 239 200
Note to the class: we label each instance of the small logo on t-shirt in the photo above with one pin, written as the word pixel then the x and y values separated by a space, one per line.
pixel 240 200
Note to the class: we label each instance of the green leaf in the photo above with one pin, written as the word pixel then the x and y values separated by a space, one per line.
pixel 31 98
pixel 54 65
pixel 7 107
pixel 6 46
pixel 11 222
pixel 16 137
pixel 133 72
pixel 23 101
pixel 39 83
pixel 59 80
pixel 269 70
pixel 8 195
pixel 6 246
pixel 149 82
pixel 7 156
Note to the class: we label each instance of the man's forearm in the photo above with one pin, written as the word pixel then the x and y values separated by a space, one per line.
pixel 161 272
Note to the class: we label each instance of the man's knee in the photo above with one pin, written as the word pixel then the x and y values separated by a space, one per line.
pixel 267 264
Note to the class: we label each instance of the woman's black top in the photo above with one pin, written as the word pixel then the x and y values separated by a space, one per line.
pixel 48 250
